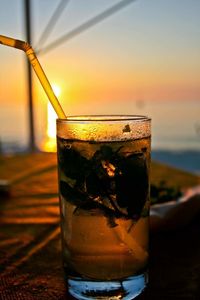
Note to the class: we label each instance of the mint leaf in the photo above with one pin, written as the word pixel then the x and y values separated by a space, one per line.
pixel 132 183
pixel 114 182
pixel 72 163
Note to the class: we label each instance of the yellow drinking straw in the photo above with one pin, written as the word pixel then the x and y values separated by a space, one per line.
pixel 7 41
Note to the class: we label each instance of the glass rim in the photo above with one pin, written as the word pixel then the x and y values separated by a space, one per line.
pixel 103 118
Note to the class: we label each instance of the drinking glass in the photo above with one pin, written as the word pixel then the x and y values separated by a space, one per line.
pixel 103 171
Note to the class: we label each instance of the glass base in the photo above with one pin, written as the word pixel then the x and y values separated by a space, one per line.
pixel 126 289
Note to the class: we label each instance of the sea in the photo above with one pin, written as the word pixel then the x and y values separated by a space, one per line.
pixel 175 129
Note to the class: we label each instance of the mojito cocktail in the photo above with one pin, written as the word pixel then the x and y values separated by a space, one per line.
pixel 104 200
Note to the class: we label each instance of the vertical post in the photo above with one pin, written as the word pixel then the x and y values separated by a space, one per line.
pixel 27 13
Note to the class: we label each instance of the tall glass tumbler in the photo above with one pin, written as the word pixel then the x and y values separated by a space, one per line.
pixel 103 166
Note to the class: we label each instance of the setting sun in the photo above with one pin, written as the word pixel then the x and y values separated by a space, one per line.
pixel 50 142
pixel 51 115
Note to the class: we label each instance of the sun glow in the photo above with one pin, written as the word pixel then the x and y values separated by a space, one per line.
pixel 51 121
pixel 50 143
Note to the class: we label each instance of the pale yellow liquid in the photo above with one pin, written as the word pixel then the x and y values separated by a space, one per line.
pixel 91 247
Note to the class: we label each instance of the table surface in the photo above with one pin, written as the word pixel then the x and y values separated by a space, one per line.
pixel 30 248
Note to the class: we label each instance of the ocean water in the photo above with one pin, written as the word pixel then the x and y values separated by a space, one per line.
pixel 175 128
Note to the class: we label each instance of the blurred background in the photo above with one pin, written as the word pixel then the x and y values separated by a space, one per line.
pixel 104 57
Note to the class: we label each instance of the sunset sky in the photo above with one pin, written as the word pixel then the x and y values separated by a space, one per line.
pixel 147 51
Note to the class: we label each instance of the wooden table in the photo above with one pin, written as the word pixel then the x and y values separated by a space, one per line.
pixel 30 249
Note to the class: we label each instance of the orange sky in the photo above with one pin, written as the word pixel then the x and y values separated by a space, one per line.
pixel 95 77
